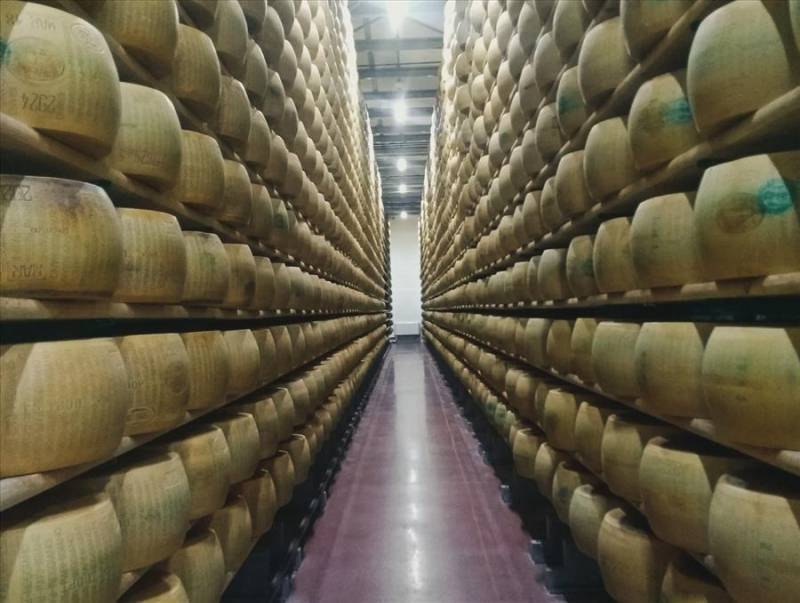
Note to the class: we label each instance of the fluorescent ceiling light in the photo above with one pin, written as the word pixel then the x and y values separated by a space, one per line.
pixel 403 215
pixel 400 110
pixel 402 164
pixel 402 189
pixel 396 10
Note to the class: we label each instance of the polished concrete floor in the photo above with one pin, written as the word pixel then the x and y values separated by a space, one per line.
pixel 415 515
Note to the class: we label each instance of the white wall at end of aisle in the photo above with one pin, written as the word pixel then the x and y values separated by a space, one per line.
pixel 406 293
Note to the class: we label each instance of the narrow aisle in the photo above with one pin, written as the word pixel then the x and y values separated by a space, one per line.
pixel 415 515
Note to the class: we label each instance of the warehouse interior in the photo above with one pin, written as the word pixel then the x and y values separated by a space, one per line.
pixel 400 301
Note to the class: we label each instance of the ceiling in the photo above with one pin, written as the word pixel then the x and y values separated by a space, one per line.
pixel 394 64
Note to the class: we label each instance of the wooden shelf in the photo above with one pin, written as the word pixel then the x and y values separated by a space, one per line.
pixel 17 489
pixel 787 460
pixel 26 309
pixel 769 286
pixel 129 579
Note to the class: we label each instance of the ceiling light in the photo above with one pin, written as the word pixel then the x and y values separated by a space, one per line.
pixel 402 189
pixel 400 110
pixel 396 10
pixel 403 215
pixel 402 164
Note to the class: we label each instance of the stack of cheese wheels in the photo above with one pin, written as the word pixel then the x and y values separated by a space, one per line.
pixel 89 524
pixel 281 469
pixel 567 478
pixel 761 562
pixel 680 473
pixel 234 530
pixel 39 257
pixel 751 383
pixel 62 403
pixel 587 507
pixel 632 561
pixel 60 79
pixel 262 503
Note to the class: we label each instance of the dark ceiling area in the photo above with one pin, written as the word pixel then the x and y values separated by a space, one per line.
pixel 399 48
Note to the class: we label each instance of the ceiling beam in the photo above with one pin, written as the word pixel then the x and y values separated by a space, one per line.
pixel 393 71
pixel 374 9
pixel 411 112
pixel 407 94
pixel 398 43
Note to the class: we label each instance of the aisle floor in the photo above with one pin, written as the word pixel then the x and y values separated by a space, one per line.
pixel 415 515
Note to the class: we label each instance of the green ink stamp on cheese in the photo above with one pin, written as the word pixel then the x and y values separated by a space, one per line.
pixel 776 196
pixel 677 112
pixel 566 103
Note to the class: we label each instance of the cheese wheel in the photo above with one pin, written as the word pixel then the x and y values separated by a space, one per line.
pixel 608 164
pixel 587 507
pixel 549 138
pixel 547 63
pixel 81 536
pixel 551 275
pixel 234 530
pixel 581 345
pixel 686 581
pixel 244 441
pixel 265 414
pixel 195 77
pixel 241 284
pixel 201 11
pixel 572 194
pixel 208 269
pixel 229 34
pixel 624 439
pixel 551 214
pixel 746 217
pixel 558 351
pixel 569 22
pixel 256 149
pixel 201 177
pixel 281 469
pixel 58 238
pixel 676 480
pixel 59 76
pixel 255 74
pixel 612 258
pixel 244 361
pixel 200 566
pixel 632 561
pixel 568 477
pixel 208 368
pixel 207 462
pixel 152 500
pixel 536 335
pixel 156 587
pixel 264 287
pixel 603 61
pixel 154 263
pixel 558 418
pixel 232 119
pixel 62 403
pixel 262 502
pixel 298 448
pixel 751 384
pixel 579 266
pixel 645 24
pixel 668 361
pixel 735 70
pixel 754 537
pixel 544 468
pixel 660 125
pixel 284 407
pixel 147 30
pixel 570 108
pixel 613 358
pixel 524 447
pixel 590 421
pixel 663 243
pixel 158 380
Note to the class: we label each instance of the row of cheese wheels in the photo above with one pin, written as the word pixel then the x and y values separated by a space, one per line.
pixel 741 223
pixel 65 403
pixel 193 503
pixel 64 239
pixel 746 379
pixel 661 118
pixel 601 466
pixel 147 144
